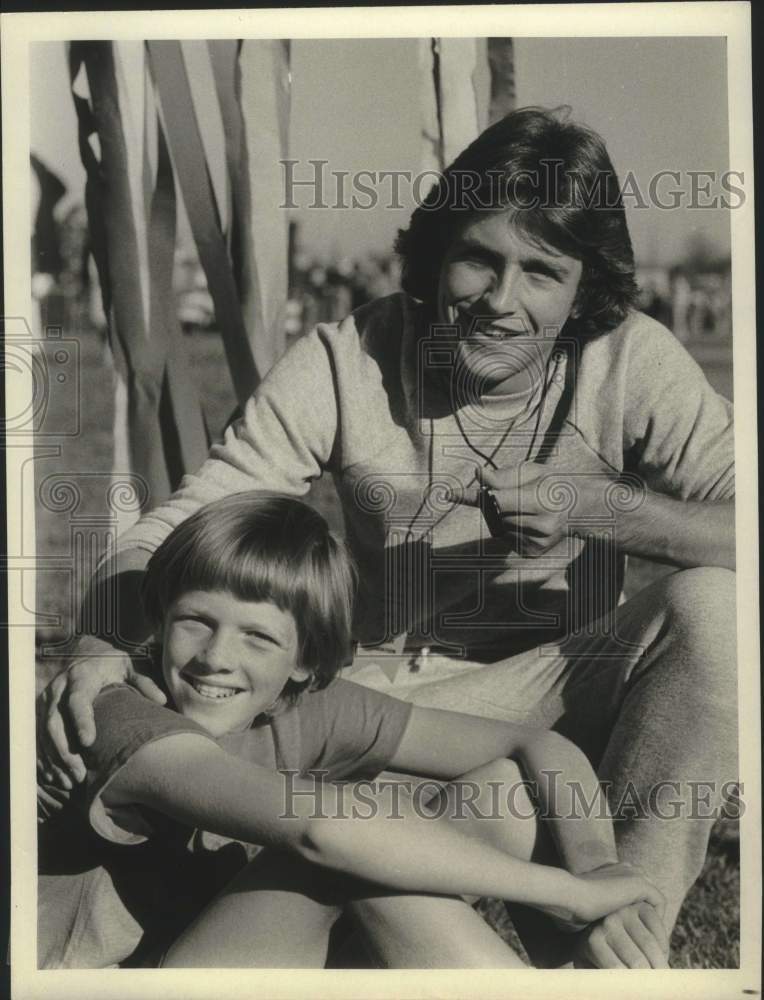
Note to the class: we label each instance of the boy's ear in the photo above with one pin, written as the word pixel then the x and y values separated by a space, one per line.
pixel 301 674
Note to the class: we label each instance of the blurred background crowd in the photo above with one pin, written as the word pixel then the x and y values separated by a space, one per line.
pixel 692 297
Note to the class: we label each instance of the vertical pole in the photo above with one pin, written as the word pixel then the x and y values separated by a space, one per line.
pixel 501 60
pixel 264 85
pixel 449 107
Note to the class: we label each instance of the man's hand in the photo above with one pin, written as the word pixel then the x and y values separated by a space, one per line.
pixel 66 707
pixel 633 937
pixel 539 506
pixel 535 506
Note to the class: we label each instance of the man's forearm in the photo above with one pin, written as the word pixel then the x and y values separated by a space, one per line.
pixel 684 533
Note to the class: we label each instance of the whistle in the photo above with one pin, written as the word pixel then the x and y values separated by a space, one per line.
pixel 489 508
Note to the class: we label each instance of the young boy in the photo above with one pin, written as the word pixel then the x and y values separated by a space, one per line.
pixel 251 600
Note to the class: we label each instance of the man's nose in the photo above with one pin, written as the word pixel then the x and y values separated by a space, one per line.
pixel 501 297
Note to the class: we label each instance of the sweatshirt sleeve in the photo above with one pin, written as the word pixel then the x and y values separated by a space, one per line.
pixel 678 431
pixel 284 439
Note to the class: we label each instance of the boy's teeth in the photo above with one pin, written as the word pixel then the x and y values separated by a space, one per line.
pixel 211 691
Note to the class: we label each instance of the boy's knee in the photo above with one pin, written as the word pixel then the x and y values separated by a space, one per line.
pixel 500 774
pixel 499 790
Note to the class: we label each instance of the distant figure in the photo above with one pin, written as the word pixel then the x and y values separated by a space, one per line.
pixel 46 244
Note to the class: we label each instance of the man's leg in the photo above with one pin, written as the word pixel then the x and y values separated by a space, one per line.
pixel 650 694
pixel 677 723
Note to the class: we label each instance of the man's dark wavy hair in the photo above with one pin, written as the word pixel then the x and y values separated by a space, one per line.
pixel 557 178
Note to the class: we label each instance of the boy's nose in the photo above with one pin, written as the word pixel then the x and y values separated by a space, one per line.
pixel 217 655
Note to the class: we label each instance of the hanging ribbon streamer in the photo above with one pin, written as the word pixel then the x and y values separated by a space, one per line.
pixel 184 140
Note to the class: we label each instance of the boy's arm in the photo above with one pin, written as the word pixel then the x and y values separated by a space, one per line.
pixel 447 744
pixel 187 777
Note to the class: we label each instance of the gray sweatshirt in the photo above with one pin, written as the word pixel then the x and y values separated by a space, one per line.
pixel 371 400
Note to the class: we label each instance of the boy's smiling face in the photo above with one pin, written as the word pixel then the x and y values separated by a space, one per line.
pixel 225 660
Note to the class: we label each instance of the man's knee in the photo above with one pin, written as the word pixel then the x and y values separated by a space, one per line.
pixel 700 606
pixel 701 593
pixel 701 623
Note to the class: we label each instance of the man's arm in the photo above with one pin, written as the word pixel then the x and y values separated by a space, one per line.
pixel 683 533
pixel 111 650
pixel 647 524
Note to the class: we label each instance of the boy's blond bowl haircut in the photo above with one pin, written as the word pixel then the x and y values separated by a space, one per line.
pixel 264 547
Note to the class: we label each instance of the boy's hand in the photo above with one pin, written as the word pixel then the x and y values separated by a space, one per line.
pixel 633 937
pixel 610 888
pixel 66 706
pixel 629 935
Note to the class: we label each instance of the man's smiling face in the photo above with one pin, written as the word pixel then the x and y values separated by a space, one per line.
pixel 225 660
pixel 510 297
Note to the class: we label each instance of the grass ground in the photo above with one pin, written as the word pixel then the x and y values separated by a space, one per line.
pixel 707 933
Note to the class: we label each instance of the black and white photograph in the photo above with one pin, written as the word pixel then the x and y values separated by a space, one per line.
pixel 383 374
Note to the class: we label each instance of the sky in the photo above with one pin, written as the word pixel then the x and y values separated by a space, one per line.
pixel 659 103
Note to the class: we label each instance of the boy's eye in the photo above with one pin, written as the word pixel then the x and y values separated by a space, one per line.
pixel 256 636
pixel 192 621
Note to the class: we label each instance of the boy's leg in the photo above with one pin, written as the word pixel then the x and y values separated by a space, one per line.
pixel 276 913
pixel 429 932
pixel 409 931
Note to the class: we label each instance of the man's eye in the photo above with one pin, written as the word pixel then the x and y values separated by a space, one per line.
pixel 539 273
pixel 472 260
